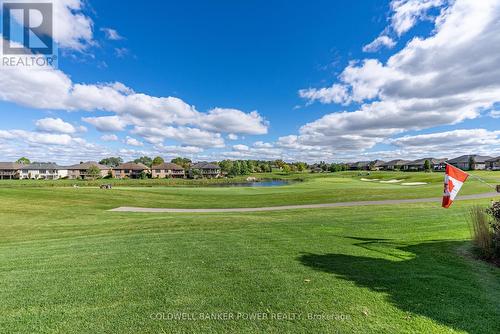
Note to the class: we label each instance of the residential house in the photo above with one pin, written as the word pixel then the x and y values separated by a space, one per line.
pixel 419 165
pixel 376 164
pixel 205 169
pixel 394 164
pixel 316 169
pixel 167 170
pixel 81 170
pixel 10 170
pixel 493 164
pixel 276 168
pixel 360 165
pixel 130 170
pixel 44 171
pixel 463 162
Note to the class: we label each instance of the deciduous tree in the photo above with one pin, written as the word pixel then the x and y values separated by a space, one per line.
pixel 24 161
pixel 158 161
pixel 111 161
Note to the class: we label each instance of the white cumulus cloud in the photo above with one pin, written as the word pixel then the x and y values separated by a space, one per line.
pixel 406 13
pixel 111 34
pixel 133 142
pixel 54 125
pixel 379 42
pixel 334 94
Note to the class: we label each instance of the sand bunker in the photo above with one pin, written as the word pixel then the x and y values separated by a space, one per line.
pixel 395 181
pixel 391 181
pixel 378 180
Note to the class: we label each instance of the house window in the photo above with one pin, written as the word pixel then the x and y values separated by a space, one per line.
pixel 158 171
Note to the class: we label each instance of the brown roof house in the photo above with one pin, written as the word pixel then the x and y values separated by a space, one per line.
pixel 376 164
pixel 365 165
pixel 394 164
pixel 130 170
pixel 10 170
pixel 360 165
pixel 464 162
pixel 81 171
pixel 167 170
pixel 493 164
pixel 419 165
pixel 205 169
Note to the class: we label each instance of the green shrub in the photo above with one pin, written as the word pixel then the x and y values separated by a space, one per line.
pixel 427 166
pixel 494 212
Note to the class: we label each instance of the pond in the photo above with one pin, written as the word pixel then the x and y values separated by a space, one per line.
pixel 270 183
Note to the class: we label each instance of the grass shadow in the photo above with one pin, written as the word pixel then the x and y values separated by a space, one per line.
pixel 427 279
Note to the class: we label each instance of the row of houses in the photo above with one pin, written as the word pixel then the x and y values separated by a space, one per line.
pixel 465 162
pixel 86 170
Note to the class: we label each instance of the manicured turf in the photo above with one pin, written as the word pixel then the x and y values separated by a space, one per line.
pixel 316 188
pixel 67 265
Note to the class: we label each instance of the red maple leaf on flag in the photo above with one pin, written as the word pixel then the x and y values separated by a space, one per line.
pixel 453 181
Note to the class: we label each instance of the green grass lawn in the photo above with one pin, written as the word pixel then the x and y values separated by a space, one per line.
pixel 315 188
pixel 67 265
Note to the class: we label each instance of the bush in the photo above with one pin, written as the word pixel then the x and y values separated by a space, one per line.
pixel 496 239
pixel 482 236
pixel 485 226
pixel 427 166
pixel 494 212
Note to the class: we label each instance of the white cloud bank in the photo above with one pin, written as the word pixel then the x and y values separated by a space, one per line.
pixel 52 89
pixel 152 117
pixel 467 141
pixel 446 78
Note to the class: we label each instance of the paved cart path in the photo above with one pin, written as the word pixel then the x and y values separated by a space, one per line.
pixel 304 206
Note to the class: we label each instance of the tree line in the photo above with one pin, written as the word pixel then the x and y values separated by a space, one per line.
pixel 230 167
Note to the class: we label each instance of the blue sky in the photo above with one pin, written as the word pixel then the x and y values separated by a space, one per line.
pixel 297 80
pixel 251 55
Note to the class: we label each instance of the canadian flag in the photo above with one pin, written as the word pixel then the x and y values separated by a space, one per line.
pixel 453 181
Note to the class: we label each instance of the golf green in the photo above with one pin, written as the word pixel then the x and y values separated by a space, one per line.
pixel 68 265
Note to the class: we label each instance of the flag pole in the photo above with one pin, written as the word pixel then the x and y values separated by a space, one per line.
pixel 475 176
